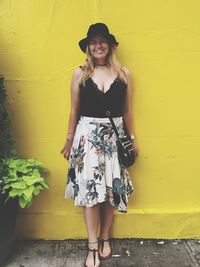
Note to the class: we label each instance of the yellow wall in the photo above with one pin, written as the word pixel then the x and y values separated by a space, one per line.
pixel 159 42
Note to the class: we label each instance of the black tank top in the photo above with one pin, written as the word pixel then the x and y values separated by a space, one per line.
pixel 91 98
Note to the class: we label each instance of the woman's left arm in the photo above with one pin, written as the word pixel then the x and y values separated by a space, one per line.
pixel 127 113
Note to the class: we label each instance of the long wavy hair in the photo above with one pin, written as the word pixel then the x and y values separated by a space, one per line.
pixel 111 59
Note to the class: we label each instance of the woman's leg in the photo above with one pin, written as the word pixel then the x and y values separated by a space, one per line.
pixel 91 218
pixel 106 219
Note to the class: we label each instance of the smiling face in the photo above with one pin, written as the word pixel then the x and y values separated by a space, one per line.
pixel 99 47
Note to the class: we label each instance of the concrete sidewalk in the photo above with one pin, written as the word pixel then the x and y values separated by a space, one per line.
pixel 126 253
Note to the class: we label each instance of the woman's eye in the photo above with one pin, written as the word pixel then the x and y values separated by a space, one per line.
pixel 94 42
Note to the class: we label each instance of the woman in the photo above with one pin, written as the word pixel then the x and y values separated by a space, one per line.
pixel 96 179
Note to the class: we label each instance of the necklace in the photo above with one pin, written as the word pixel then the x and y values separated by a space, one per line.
pixel 101 64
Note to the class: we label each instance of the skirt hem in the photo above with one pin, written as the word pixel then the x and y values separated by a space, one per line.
pixel 76 204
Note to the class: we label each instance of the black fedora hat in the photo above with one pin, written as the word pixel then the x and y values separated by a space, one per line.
pixel 97 29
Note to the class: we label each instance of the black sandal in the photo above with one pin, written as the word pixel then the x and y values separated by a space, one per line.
pixel 94 253
pixel 101 241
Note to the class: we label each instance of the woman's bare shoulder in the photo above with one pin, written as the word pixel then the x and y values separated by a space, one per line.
pixel 77 71
pixel 126 70
pixel 76 75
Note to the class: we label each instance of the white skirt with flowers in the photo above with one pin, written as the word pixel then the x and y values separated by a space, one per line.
pixel 95 173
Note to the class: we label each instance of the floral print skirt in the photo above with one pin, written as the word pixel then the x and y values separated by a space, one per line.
pixel 95 173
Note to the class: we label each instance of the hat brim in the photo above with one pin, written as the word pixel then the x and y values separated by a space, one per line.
pixel 84 42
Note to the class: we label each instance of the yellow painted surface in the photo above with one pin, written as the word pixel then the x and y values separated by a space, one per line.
pixel 159 42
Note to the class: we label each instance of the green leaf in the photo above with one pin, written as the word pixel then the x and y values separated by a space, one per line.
pixel 28 192
pixel 12 164
pixel 7 186
pixel 44 184
pixel 35 163
pixel 15 192
pixel 22 202
pixel 28 199
pixel 19 185
pixel 37 189
pixel 29 204
pixel 31 179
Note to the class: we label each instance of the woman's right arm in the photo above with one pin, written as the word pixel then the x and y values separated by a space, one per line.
pixel 74 112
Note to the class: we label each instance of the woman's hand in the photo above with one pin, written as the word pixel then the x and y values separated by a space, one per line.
pixel 134 145
pixel 66 150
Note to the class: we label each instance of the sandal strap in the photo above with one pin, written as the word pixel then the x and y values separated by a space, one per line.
pixel 94 254
pixel 102 243
pixel 93 242
pixel 104 240
pixel 93 249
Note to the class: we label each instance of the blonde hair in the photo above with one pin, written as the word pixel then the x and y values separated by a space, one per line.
pixel 112 61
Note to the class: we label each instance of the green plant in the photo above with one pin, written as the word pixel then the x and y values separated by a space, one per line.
pixel 21 178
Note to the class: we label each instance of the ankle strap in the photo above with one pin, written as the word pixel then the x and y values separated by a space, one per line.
pixel 94 250
pixel 104 240
pixel 93 242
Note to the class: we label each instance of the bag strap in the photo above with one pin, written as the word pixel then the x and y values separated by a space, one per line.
pixel 113 125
